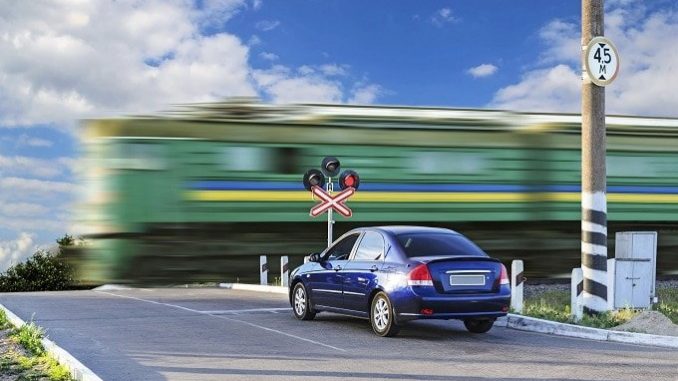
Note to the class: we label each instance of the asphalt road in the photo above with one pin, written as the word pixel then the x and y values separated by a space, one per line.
pixel 217 334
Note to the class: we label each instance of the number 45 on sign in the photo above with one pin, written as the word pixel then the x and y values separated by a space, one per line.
pixel 602 61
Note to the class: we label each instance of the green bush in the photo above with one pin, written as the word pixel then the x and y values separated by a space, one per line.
pixel 41 272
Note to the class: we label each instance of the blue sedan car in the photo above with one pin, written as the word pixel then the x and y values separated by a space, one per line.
pixel 394 274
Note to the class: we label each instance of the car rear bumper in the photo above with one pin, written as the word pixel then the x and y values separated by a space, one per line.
pixel 414 306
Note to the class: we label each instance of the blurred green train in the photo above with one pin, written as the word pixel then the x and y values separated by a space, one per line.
pixel 198 194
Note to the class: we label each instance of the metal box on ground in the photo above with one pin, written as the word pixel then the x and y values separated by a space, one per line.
pixel 632 274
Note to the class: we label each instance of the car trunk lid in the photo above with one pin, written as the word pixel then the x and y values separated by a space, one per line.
pixel 463 274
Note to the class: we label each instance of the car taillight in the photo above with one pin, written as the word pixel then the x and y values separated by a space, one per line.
pixel 420 276
pixel 504 279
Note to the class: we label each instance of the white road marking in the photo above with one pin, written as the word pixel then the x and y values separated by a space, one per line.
pixel 222 312
pixel 227 318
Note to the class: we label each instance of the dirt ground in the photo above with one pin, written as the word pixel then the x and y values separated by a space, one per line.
pixel 652 322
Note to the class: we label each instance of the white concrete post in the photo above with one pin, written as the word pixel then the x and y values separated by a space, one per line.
pixel 263 270
pixel 517 286
pixel 576 296
pixel 284 271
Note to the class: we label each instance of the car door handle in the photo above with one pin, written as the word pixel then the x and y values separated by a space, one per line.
pixel 374 268
pixel 337 268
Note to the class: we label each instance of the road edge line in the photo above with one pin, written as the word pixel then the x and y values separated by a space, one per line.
pixel 78 371
pixel 528 323
pixel 254 287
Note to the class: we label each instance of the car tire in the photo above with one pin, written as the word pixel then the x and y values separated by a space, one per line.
pixel 301 303
pixel 478 325
pixel 382 316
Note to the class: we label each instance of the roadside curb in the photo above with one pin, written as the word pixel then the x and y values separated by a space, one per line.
pixel 254 287
pixel 78 371
pixel 526 323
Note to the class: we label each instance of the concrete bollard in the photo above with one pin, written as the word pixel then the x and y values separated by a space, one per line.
pixel 284 271
pixel 263 270
pixel 576 293
pixel 517 286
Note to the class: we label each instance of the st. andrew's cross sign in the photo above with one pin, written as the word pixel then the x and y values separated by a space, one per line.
pixel 328 201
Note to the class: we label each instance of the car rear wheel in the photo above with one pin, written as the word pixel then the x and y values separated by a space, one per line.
pixel 478 325
pixel 301 303
pixel 382 316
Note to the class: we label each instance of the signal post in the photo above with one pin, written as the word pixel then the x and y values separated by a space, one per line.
pixel 314 179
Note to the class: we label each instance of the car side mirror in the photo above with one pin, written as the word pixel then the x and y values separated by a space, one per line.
pixel 314 257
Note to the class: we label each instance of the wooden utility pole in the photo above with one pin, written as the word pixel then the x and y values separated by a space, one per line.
pixel 593 176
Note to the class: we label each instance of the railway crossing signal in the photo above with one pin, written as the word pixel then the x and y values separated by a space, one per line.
pixel 328 201
pixel 314 180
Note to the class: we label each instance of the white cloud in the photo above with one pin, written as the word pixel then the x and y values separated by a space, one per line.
pixel 28 141
pixel 483 70
pixel 254 40
pixel 366 94
pixel 26 187
pixel 16 250
pixel 65 60
pixel 22 209
pixel 257 4
pixel 443 16
pixel 282 85
pixel 647 79
pixel 334 70
pixel 268 56
pixel 267 25
pixel 23 165
pixel 551 89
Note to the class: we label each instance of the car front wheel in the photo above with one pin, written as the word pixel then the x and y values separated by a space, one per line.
pixel 478 325
pixel 382 316
pixel 301 305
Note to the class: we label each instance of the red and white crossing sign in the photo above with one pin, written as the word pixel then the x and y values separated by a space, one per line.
pixel 328 201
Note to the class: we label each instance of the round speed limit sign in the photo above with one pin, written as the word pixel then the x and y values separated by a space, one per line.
pixel 602 61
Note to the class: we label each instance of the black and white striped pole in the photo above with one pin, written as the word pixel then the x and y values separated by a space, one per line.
pixel 576 289
pixel 517 285
pixel 600 62
pixel 263 270
pixel 284 271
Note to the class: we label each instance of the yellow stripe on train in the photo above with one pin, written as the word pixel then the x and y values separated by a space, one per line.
pixel 433 197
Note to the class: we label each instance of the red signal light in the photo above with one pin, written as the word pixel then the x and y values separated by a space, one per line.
pixel 349 179
pixel 426 311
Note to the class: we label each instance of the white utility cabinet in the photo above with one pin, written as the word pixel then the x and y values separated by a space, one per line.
pixel 632 273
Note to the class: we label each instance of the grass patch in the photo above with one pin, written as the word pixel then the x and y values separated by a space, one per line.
pixel 668 302
pixel 555 306
pixel 22 354
pixel 4 323
pixel 30 336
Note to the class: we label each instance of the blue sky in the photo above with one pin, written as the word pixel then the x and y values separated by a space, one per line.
pixel 418 57
pixel 61 62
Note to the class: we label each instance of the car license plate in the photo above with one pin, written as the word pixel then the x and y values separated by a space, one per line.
pixel 467 280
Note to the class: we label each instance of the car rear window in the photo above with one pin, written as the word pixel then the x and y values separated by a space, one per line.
pixel 435 244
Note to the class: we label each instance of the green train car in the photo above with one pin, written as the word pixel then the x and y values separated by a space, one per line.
pixel 200 193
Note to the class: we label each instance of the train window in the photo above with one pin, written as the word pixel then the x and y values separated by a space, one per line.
pixel 247 159
pixel 138 155
pixel 287 160
pixel 282 160
pixel 444 162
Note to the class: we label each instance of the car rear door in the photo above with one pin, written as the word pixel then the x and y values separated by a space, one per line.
pixel 327 282
pixel 362 271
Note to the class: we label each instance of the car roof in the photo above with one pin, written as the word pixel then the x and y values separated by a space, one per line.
pixel 404 229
